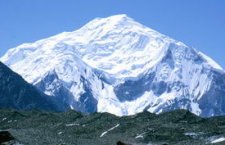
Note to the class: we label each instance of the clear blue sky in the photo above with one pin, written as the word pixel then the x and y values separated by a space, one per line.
pixel 198 23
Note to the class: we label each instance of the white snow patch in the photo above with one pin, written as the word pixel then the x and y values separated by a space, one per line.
pixel 104 133
pixel 195 108
pixel 211 62
pixel 59 133
pixel 71 107
pixel 191 134
pixel 140 136
pixel 4 119
pixel 221 139
pixel 72 124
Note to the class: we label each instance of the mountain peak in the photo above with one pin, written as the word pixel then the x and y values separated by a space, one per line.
pixel 118 17
pixel 115 18
pixel 122 64
pixel 100 42
pixel 110 24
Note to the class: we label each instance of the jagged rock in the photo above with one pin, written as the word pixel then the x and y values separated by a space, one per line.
pixel 5 136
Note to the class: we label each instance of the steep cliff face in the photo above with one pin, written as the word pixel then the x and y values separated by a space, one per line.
pixel 119 66
pixel 16 93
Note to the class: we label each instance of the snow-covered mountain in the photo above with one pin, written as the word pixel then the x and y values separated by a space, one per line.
pixel 119 66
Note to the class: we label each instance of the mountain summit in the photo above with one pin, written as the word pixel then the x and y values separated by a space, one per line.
pixel 119 66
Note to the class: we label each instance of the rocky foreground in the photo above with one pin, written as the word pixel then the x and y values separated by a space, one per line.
pixel 72 128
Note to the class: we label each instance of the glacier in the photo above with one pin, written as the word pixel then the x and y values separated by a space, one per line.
pixel 120 66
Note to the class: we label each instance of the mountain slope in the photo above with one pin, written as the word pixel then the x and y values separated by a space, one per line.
pixel 119 66
pixel 15 93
